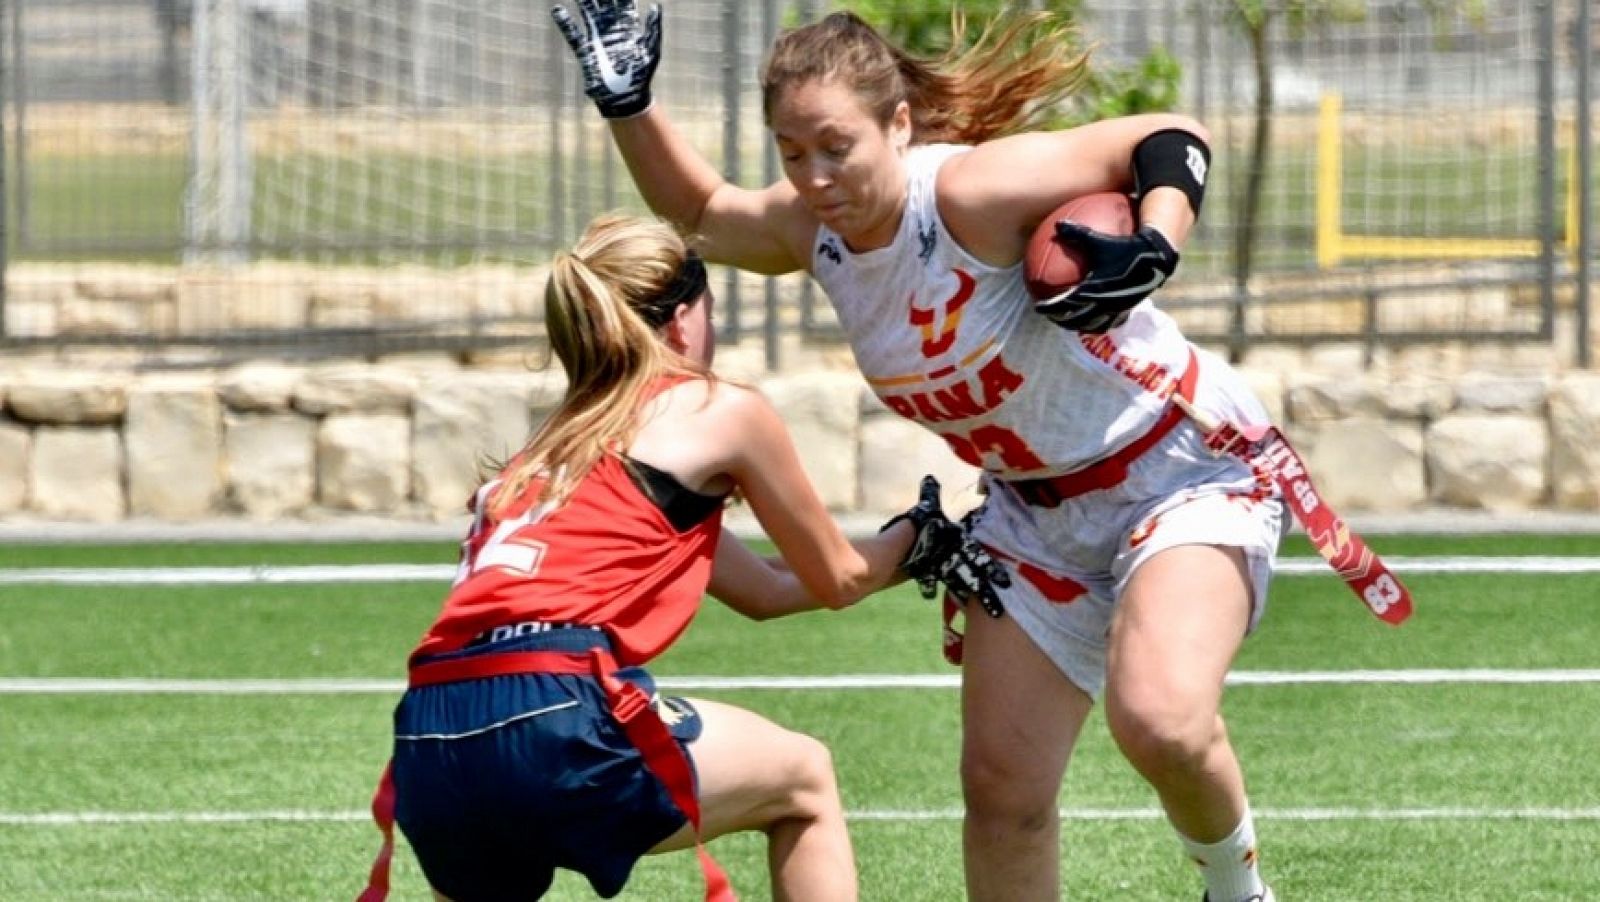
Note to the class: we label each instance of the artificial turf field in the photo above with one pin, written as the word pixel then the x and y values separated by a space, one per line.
pixel 220 740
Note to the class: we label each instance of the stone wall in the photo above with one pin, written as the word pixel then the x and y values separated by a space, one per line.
pixel 1473 427
pixel 46 300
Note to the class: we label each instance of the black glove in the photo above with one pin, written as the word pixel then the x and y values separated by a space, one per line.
pixel 1123 270
pixel 618 55
pixel 943 552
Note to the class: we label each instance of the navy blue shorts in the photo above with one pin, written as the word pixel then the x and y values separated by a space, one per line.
pixel 499 781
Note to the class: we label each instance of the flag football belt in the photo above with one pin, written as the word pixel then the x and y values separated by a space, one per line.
pixel 1110 471
pixel 628 704
pixel 1262 448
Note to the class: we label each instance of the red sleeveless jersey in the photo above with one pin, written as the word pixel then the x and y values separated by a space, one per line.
pixel 608 557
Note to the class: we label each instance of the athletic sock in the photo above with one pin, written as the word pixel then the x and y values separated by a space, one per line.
pixel 1229 866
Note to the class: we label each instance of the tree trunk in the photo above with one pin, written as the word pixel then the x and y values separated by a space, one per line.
pixel 1249 208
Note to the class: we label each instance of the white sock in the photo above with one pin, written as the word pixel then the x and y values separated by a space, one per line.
pixel 1229 866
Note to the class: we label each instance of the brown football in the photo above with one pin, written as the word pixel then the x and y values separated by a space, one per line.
pixel 1051 266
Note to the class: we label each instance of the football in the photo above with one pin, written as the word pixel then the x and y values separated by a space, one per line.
pixel 1051 266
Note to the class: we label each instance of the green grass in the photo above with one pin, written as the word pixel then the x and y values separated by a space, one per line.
pixel 177 554
pixel 1350 747
pixel 79 205
pixel 133 203
pixel 100 200
pixel 200 554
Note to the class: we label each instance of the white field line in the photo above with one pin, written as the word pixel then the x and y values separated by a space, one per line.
pixel 868 681
pixel 388 573
pixel 292 816
pixel 227 576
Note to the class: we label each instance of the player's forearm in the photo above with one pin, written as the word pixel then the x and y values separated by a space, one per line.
pixel 674 179
pixel 782 595
pixel 1168 210
pixel 1170 167
pixel 763 588
pixel 760 588
pixel 862 567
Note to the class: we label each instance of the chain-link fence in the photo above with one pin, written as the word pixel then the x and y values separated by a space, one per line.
pixel 390 172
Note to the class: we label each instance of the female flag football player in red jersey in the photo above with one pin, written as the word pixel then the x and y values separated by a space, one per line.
pixel 1140 560
pixel 530 737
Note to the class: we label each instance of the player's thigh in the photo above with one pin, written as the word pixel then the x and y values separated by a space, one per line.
pixel 1181 619
pixel 753 773
pixel 1020 716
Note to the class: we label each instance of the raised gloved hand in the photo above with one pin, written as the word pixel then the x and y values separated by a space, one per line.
pixel 1123 270
pixel 618 53
pixel 943 553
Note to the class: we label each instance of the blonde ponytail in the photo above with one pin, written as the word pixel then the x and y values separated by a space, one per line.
pixel 604 303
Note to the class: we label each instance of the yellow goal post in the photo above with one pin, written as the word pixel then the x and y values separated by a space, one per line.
pixel 1335 245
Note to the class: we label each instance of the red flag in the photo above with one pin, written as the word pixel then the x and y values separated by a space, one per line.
pixel 1361 569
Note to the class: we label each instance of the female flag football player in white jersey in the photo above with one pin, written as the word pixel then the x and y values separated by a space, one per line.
pixel 1139 559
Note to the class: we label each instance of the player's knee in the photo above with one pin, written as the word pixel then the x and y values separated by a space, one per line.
pixel 1000 794
pixel 813 787
pixel 1163 741
pixel 1008 813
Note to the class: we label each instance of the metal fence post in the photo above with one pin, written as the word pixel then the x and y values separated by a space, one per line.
pixel 808 289
pixel 168 15
pixel 19 109
pixel 5 235
pixel 732 66
pixel 1202 61
pixel 769 174
pixel 1585 151
pixel 555 107
pixel 1547 167
pixel 218 197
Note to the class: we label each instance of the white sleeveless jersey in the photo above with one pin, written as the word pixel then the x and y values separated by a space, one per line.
pixel 954 344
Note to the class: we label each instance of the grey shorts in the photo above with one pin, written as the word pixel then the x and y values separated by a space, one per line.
pixel 1070 563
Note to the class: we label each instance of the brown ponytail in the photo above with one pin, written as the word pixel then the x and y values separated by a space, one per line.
pixel 1021 64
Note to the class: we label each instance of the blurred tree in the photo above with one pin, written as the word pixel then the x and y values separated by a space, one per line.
pixel 923 27
pixel 1257 18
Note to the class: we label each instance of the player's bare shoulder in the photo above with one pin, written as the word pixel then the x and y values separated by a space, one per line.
pixel 737 403
pixel 978 201
pixel 760 230
pixel 796 224
pixel 709 407
pixel 737 431
pixel 702 429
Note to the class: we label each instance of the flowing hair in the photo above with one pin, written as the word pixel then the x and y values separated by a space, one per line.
pixel 1021 64
pixel 604 303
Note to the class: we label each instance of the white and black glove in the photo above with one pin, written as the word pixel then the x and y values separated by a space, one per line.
pixel 1123 270
pixel 943 553
pixel 618 53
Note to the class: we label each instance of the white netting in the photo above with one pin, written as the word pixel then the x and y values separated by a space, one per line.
pixel 442 132
pixel 438 129
pixel 401 129
pixel 451 128
pixel 1438 129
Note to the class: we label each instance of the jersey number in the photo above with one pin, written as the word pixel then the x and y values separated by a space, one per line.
pixel 502 548
pixel 1383 593
pixel 1013 452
